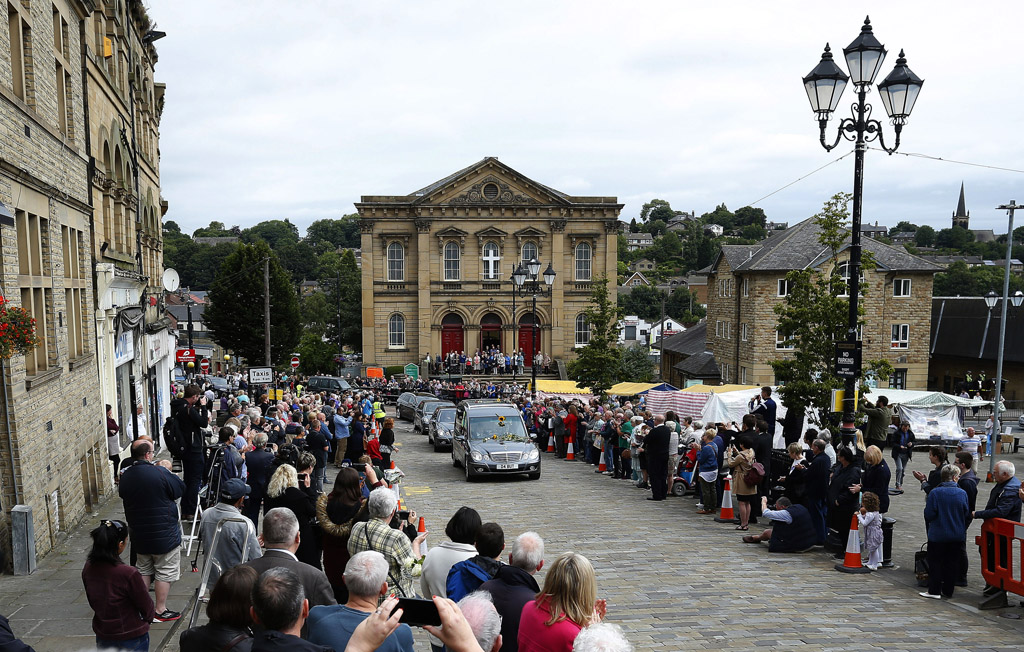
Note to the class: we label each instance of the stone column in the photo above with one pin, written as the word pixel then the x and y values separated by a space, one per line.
pixel 563 276
pixel 369 255
pixel 611 255
pixel 423 289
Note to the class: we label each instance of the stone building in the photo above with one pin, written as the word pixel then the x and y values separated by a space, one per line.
pixel 746 282
pixel 437 265
pixel 53 453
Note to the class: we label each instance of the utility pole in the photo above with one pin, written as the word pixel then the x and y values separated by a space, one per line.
pixel 266 311
pixel 996 421
pixel 340 354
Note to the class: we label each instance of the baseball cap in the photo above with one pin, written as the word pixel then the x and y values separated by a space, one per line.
pixel 233 489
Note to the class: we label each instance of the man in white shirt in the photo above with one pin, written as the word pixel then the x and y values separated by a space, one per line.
pixel 972 444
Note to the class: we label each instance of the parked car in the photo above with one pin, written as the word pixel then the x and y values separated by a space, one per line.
pixel 327 384
pixel 220 385
pixel 1020 421
pixel 424 411
pixel 491 439
pixel 409 401
pixel 439 430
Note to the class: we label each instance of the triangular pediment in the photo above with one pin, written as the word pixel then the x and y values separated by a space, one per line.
pixel 529 232
pixel 489 183
pixel 451 232
pixel 490 232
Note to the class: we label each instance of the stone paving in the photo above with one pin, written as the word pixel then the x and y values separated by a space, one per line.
pixel 673 580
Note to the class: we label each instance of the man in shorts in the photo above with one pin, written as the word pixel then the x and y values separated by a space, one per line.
pixel 149 492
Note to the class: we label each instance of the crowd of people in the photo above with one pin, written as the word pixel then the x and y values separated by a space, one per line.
pixel 489 361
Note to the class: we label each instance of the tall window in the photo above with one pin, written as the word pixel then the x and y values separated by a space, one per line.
pixel 900 336
pixel 62 56
pixel 75 310
pixel 583 260
pixel 36 291
pixel 396 262
pixel 21 56
pixel 582 330
pixel 783 287
pixel 491 261
pixel 451 262
pixel 529 252
pixel 396 331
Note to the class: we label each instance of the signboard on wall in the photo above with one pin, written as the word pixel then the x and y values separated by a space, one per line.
pixel 124 348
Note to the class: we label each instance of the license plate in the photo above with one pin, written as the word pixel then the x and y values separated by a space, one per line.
pixel 507 467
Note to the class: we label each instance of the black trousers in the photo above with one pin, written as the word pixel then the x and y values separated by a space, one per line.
pixel 560 445
pixel 192 466
pixel 657 472
pixel 943 566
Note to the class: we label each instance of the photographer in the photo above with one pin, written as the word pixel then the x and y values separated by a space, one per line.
pixel 190 421
pixel 764 405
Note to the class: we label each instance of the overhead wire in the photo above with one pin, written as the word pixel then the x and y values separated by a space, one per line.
pixel 798 180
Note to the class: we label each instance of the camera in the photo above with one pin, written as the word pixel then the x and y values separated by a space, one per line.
pixel 403 515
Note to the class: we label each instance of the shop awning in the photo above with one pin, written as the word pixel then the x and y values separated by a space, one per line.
pixel 631 389
pixel 719 389
pixel 561 387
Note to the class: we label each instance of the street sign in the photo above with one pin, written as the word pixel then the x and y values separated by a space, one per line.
pixel 204 365
pixel 412 371
pixel 847 359
pixel 295 362
pixel 185 355
pixel 261 375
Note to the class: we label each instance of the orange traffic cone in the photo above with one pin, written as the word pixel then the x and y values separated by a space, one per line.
pixel 551 443
pixel 851 562
pixel 727 515
pixel 392 467
pixel 569 454
pixel 420 530
pixel 602 467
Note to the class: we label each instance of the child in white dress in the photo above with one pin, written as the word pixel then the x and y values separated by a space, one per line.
pixel 871 520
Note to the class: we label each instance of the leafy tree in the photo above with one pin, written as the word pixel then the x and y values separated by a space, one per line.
pixel 721 215
pixel 234 315
pixel 633 228
pixel 637 366
pixel 904 227
pixel 170 226
pixel 699 248
pixel 924 236
pixel 753 232
pixel 599 362
pixel 299 258
pixel 959 280
pixel 813 317
pixel 656 209
pixel 665 247
pixel 345 298
pixel 215 230
pixel 274 232
pixel 683 306
pixel 316 356
pixel 953 238
pixel 331 234
pixel 316 313
pixel 749 216
pixel 644 301
pixel 655 227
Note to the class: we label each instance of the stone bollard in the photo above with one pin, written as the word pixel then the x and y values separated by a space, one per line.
pixel 887 526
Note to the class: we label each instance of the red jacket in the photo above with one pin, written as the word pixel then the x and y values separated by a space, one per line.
pixel 536 636
pixel 120 600
pixel 570 421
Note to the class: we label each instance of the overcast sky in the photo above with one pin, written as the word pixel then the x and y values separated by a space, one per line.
pixel 294 109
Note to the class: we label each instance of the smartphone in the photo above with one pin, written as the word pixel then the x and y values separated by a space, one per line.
pixel 302 478
pixel 418 612
pixel 403 515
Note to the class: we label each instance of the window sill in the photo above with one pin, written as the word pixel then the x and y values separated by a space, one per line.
pixel 41 378
pixel 398 349
pixel 80 361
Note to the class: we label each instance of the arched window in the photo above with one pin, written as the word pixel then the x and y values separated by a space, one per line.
pixel 396 331
pixel 582 330
pixel 396 262
pixel 451 262
pixel 583 259
pixel 529 252
pixel 491 261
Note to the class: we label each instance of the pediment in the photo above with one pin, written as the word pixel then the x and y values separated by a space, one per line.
pixel 530 232
pixel 490 183
pixel 491 233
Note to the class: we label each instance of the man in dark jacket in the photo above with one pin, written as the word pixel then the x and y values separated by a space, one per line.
pixel 258 462
pixel 149 491
pixel 764 405
pixel 280 608
pixel 816 488
pixel 514 586
pixel 968 481
pixel 792 529
pixel 191 422
pixel 655 447
pixel 1003 502
pixel 281 539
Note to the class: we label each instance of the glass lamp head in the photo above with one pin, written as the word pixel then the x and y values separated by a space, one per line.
pixel 825 85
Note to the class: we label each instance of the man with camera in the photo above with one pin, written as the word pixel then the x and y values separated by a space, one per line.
pixel 763 404
pixel 191 421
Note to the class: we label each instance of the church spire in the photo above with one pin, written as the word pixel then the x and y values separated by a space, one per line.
pixel 962 216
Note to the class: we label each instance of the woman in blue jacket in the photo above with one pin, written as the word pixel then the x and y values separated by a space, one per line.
pixel 947 517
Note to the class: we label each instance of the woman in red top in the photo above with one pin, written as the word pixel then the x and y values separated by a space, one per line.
pixel 567 603
pixel 571 420
pixel 117 593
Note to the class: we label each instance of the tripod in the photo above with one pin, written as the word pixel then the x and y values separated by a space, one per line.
pixel 207 492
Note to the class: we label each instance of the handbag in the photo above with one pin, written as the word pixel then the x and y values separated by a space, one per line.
pixel 626 455
pixel 754 475
pixel 921 565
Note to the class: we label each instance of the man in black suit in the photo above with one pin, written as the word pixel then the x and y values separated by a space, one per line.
pixel 258 462
pixel 281 539
pixel 279 607
pixel 816 488
pixel 656 449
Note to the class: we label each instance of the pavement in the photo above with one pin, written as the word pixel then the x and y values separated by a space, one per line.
pixel 674 580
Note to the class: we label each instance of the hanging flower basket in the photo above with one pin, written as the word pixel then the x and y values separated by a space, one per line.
pixel 17 330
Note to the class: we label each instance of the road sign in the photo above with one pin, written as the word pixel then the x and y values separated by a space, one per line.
pixel 204 365
pixel 412 371
pixel 261 375
pixel 185 355
pixel 295 362
pixel 848 359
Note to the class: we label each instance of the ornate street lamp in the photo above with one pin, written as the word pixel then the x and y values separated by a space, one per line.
pixel 899 90
pixel 527 282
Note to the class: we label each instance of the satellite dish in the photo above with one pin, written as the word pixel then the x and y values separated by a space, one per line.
pixel 171 280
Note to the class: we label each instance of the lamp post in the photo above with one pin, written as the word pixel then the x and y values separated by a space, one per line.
pixel 527 282
pixel 990 301
pixel 898 92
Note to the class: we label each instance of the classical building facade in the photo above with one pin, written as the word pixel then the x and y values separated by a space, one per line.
pixel 53 452
pixel 437 264
pixel 746 282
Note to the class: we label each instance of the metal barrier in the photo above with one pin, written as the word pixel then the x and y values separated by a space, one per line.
pixel 1001 543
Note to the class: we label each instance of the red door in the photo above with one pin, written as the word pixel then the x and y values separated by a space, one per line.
pixel 526 343
pixel 451 339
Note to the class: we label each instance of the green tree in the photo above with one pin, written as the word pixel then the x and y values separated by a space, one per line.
pixel 721 215
pixel 924 236
pixel 170 226
pixel 665 248
pixel 599 362
pixel 953 238
pixel 656 209
pixel 274 232
pixel 316 356
pixel 644 301
pixel 316 313
pixel 699 248
pixel 299 258
pixel 750 216
pixel 637 366
pixel 333 233
pixel 344 297
pixel 234 315
pixel 904 227
pixel 683 306
pixel 215 230
pixel 753 232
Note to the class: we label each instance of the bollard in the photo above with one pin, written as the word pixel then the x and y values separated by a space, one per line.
pixel 887 526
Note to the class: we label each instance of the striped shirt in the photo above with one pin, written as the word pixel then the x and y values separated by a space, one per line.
pixel 971 445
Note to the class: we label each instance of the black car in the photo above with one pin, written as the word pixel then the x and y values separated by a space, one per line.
pixel 409 401
pixel 491 439
pixel 327 384
pixel 440 427
pixel 424 411
pixel 220 385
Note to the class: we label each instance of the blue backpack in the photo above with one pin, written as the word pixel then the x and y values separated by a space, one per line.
pixel 464 578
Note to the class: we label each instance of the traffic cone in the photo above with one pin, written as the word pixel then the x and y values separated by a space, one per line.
pixel 602 467
pixel 551 443
pixel 420 530
pixel 851 562
pixel 727 515
pixel 392 467
pixel 569 454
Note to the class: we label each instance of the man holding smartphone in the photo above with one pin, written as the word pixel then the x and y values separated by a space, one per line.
pixel 187 412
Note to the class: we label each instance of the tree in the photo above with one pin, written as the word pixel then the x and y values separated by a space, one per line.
pixel 636 364
pixel 345 297
pixel 331 233
pixel 905 227
pixel 599 362
pixel 656 209
pixel 959 280
pixel 813 317
pixel 721 215
pixel 699 248
pixel 234 315
pixel 953 238
pixel 316 356
pixel 753 232
pixel 750 216
pixel 683 306
pixel 215 230
pixel 665 248
pixel 274 232
pixel 644 301
pixel 170 226
pixel 924 236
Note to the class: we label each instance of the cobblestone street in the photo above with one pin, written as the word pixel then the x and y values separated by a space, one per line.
pixel 673 580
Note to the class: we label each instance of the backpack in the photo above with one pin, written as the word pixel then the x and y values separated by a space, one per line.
pixel 464 578
pixel 174 437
